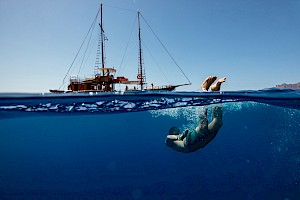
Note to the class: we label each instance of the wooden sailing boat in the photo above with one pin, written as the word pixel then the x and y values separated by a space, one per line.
pixel 104 79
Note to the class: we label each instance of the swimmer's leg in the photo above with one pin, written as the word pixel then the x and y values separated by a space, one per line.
pixel 201 129
pixel 217 86
pixel 207 82
pixel 217 121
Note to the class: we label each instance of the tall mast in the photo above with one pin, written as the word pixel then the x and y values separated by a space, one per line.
pixel 102 40
pixel 140 74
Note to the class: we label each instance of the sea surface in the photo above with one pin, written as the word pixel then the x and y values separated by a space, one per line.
pixel 112 146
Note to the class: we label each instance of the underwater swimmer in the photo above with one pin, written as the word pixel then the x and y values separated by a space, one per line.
pixel 190 141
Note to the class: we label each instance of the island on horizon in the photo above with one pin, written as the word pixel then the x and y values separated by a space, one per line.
pixel 291 86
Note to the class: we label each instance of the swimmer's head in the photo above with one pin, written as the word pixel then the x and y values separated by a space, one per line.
pixel 174 131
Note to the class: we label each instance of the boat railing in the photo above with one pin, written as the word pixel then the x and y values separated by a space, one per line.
pixel 160 87
pixel 75 79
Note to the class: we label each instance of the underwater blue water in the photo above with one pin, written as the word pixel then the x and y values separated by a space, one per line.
pixel 50 152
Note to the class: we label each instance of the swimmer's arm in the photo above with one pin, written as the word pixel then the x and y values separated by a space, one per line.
pixel 173 142
pixel 172 137
pixel 179 146
pixel 170 140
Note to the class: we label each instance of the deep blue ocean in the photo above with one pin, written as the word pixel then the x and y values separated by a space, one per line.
pixel 113 146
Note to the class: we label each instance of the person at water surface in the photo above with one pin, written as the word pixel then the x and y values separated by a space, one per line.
pixel 190 141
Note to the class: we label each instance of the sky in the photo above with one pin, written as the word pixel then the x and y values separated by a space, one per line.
pixel 254 43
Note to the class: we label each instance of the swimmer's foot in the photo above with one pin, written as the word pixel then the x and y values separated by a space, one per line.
pixel 207 82
pixel 217 86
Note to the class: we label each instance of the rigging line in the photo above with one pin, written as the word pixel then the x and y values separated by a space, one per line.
pixel 131 52
pixel 63 82
pixel 126 9
pixel 166 50
pixel 89 53
pixel 128 43
pixel 86 49
pixel 156 62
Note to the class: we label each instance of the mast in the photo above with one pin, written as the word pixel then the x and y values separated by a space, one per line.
pixel 140 74
pixel 102 40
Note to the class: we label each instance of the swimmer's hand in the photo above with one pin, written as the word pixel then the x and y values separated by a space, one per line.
pixel 183 135
pixel 170 140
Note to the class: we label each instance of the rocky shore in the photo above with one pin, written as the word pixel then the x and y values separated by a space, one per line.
pixel 291 86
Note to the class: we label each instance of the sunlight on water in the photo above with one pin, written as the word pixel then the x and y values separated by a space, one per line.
pixel 191 114
pixel 287 140
pixel 141 101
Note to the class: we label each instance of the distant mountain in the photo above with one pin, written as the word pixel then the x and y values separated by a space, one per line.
pixel 292 86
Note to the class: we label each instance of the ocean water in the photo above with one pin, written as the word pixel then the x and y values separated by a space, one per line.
pixel 95 146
